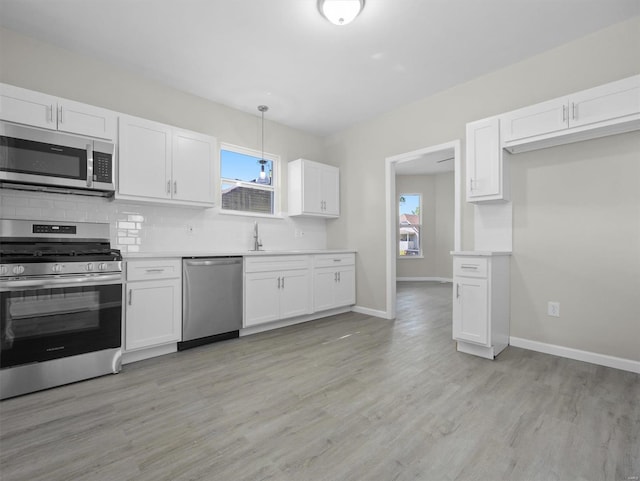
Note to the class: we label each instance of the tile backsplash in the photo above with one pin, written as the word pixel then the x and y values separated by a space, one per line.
pixel 149 228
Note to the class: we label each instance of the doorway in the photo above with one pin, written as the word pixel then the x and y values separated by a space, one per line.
pixel 421 161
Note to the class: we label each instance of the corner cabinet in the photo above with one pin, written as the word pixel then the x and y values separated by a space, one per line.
pixel 314 189
pixel 36 109
pixel 334 281
pixel 481 303
pixel 153 303
pixel 487 180
pixel 275 288
pixel 162 164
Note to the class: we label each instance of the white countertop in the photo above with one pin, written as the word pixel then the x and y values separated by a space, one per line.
pixel 480 253
pixel 149 255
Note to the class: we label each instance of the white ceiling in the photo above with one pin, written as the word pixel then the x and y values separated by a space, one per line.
pixel 313 75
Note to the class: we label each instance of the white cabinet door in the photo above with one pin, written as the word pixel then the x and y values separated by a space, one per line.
pixel 542 118
pixel 312 188
pixel 262 298
pixel 193 166
pixel 144 158
pixel 484 161
pixel 83 119
pixel 324 281
pixel 331 191
pixel 153 313
pixel 28 107
pixel 294 293
pixel 470 310
pixel 607 102
pixel 345 294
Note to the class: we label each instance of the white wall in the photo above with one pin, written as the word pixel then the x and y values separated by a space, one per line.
pixel 437 225
pixel 31 64
pixel 544 267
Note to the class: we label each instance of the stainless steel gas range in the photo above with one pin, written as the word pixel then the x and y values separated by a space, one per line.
pixel 61 304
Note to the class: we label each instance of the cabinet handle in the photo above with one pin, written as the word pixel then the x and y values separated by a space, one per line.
pixel 457 290
pixel 573 111
pixel 278 283
pixel 50 109
pixel 60 119
pixel 175 186
pixel 335 277
pixel 130 296
pixel 469 266
pixel 564 113
pixel 339 277
pixel 471 185
pixel 154 270
pixel 283 282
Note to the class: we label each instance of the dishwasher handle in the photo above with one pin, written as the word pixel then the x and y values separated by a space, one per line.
pixel 212 262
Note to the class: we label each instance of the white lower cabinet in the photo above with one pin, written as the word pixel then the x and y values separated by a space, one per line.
pixel 334 281
pixel 153 303
pixel 481 303
pixel 275 288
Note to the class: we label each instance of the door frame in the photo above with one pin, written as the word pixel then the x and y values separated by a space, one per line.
pixel 390 191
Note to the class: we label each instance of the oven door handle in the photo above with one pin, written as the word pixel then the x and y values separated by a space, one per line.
pixel 47 282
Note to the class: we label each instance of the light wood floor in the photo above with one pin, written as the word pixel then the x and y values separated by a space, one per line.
pixel 347 398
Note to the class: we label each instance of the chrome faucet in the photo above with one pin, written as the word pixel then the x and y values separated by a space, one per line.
pixel 256 240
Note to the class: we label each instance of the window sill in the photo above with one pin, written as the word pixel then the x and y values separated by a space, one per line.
pixel 250 214
pixel 410 257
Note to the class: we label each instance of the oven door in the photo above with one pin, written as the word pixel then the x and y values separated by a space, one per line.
pixel 51 318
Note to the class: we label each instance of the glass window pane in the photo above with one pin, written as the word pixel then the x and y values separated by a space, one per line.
pixel 409 240
pixel 244 198
pixel 247 168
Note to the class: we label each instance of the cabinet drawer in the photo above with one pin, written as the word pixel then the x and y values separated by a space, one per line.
pixel 275 263
pixel 154 269
pixel 470 266
pixel 334 260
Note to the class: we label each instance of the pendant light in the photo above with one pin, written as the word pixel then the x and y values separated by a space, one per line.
pixel 340 12
pixel 262 178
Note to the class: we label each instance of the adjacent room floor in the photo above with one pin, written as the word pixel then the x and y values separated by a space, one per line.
pixel 350 397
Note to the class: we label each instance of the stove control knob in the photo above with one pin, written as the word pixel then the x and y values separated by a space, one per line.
pixel 102 266
pixel 89 266
pixel 18 269
pixel 4 270
pixel 56 268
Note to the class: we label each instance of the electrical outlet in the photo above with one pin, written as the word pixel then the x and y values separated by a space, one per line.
pixel 298 233
pixel 553 309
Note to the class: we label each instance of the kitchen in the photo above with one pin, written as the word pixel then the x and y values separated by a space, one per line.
pixel 356 150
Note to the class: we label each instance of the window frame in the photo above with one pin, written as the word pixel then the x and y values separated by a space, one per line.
pixel 419 225
pixel 275 186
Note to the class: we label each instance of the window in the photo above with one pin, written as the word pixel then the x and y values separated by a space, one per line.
pixel 409 225
pixel 248 182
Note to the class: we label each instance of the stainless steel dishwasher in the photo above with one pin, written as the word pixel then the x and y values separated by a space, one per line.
pixel 211 300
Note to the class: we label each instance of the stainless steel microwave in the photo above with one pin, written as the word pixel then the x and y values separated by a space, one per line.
pixel 36 159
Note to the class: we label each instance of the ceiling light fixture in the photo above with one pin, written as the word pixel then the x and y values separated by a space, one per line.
pixel 340 12
pixel 262 179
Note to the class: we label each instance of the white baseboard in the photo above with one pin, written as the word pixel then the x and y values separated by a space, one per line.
pixel 141 354
pixel 370 312
pixel 419 279
pixel 577 354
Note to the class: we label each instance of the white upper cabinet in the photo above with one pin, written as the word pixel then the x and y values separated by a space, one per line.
pixel 193 166
pixel 159 163
pixel 605 110
pixel 314 189
pixel 144 167
pixel 486 180
pixel 36 109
